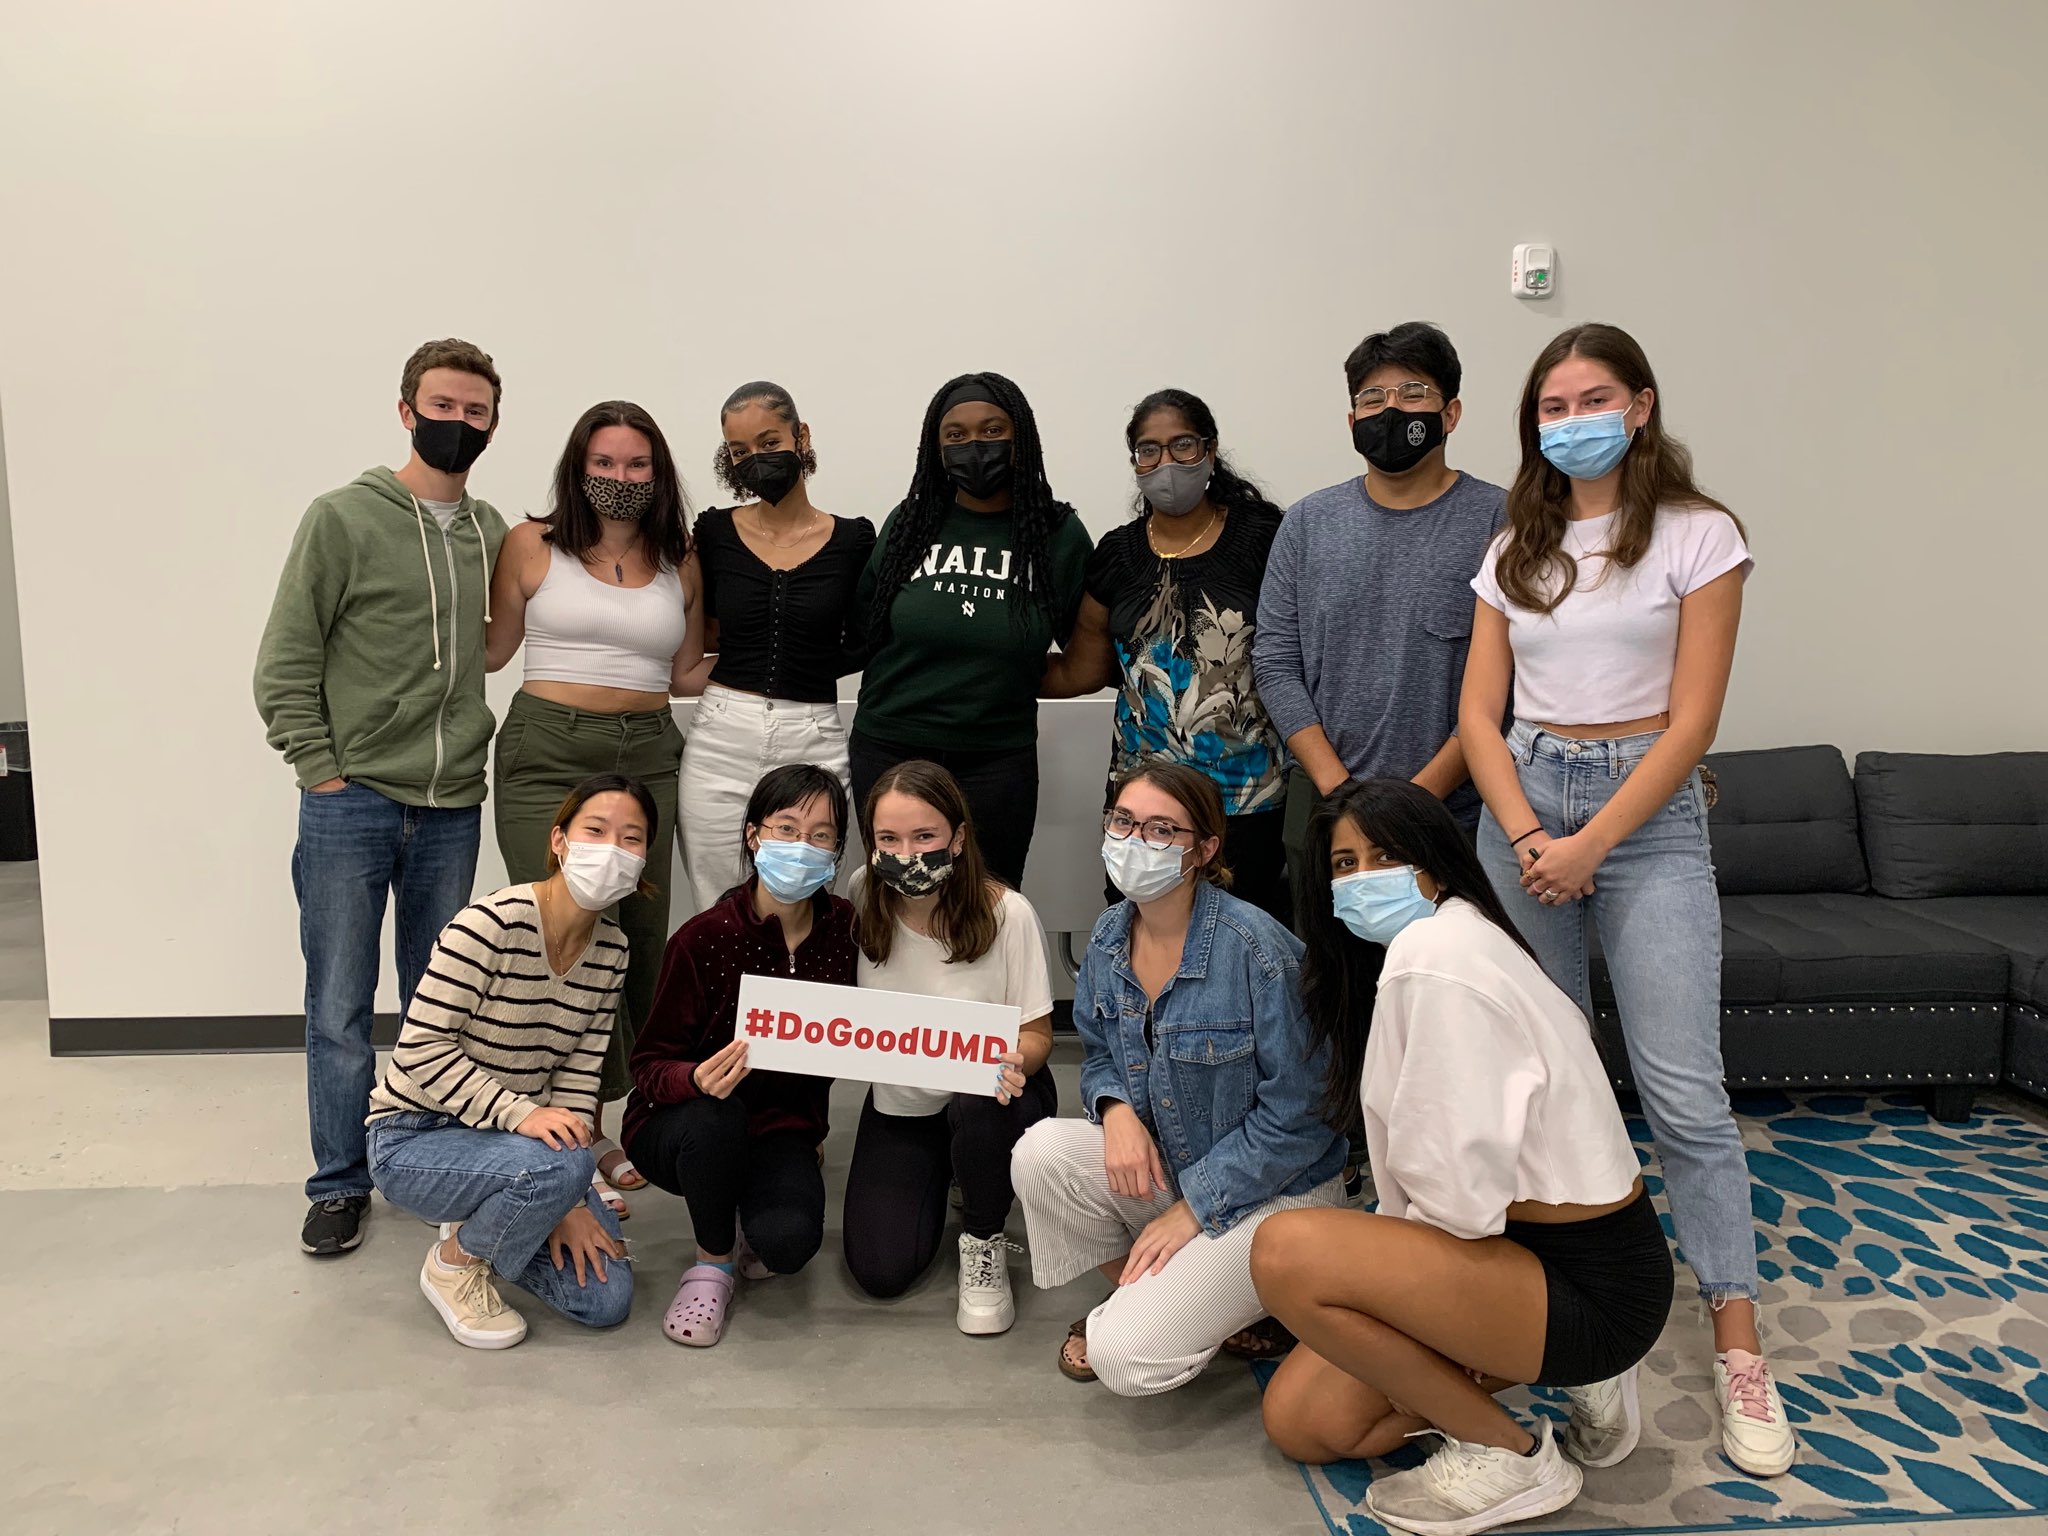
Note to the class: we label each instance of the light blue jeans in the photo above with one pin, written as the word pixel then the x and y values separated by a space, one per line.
pixel 507 1191
pixel 1658 916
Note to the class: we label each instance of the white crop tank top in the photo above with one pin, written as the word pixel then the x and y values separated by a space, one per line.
pixel 582 630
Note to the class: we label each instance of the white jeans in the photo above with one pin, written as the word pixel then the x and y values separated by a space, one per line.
pixel 734 739
pixel 1158 1332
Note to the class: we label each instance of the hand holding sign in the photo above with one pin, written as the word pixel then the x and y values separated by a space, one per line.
pixel 878 1037
pixel 1010 1080
pixel 720 1072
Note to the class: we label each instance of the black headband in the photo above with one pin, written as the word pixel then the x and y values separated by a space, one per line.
pixel 969 389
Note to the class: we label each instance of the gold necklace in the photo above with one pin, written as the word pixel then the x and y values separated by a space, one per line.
pixel 760 531
pixel 1183 552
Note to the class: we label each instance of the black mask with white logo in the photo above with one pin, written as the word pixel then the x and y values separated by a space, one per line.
pixel 1395 440
pixel 981 469
pixel 449 446
pixel 770 476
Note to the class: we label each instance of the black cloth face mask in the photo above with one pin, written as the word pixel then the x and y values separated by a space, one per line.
pixel 919 875
pixel 1396 440
pixel 449 446
pixel 770 476
pixel 981 469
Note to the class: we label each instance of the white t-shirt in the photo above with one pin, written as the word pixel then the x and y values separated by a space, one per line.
pixel 1013 971
pixel 1606 653
pixel 1482 1085
pixel 442 512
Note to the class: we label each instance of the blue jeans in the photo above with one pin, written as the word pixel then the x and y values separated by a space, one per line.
pixel 354 848
pixel 1659 920
pixel 508 1191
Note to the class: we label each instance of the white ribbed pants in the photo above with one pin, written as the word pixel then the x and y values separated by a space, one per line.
pixel 1158 1332
pixel 734 739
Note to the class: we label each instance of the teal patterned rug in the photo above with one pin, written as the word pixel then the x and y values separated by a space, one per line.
pixel 1905 1266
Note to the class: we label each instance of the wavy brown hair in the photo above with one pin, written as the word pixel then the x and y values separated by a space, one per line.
pixel 1197 796
pixel 572 524
pixel 1534 571
pixel 964 916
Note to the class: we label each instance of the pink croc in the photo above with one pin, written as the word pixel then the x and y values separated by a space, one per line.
pixel 697 1315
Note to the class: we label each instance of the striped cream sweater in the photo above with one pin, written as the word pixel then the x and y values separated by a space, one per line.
pixel 492 1033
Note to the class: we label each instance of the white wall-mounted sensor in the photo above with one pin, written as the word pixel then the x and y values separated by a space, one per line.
pixel 1534 273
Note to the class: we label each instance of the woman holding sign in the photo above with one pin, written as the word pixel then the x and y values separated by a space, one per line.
pixel 933 921
pixel 742 1146
pixel 1200 1088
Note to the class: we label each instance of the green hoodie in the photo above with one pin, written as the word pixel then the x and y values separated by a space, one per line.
pixel 372 664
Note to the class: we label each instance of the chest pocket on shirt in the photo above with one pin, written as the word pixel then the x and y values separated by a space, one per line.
pixel 1449 617
pixel 1213 1074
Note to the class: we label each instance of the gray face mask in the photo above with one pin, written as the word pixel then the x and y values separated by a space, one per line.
pixel 1177 489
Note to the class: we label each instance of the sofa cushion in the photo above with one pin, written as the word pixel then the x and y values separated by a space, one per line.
pixel 1851 951
pixel 1785 823
pixel 1939 825
pixel 2016 924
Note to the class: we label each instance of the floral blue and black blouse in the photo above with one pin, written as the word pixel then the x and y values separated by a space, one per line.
pixel 1183 636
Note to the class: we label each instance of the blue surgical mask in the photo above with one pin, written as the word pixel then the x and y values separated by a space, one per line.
pixel 1376 904
pixel 1140 871
pixel 793 871
pixel 1585 447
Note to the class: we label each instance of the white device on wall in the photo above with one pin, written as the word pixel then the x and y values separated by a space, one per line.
pixel 1534 273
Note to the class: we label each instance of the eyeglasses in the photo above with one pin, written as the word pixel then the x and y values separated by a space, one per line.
pixel 790 832
pixel 1157 832
pixel 1186 449
pixel 1373 398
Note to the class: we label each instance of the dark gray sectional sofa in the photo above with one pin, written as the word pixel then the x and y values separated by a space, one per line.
pixel 1882 930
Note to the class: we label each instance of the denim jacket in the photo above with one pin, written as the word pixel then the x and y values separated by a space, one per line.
pixel 1227 1084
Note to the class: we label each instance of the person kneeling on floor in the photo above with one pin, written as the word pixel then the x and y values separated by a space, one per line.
pixel 1514 1241
pixel 483 1121
pixel 1200 1088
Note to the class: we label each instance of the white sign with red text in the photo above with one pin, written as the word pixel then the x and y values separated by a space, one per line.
pixel 872 1036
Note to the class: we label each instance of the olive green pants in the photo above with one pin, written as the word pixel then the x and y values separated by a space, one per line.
pixel 544 751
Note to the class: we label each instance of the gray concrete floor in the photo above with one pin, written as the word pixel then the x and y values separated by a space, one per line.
pixel 173 1363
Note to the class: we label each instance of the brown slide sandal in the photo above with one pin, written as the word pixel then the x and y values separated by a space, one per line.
pixel 1068 1367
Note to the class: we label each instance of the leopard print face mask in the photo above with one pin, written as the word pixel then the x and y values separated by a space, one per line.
pixel 623 501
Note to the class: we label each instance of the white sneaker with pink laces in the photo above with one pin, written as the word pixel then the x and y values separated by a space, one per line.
pixel 1753 1428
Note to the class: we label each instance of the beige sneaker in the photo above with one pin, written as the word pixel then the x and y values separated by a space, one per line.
pixel 469 1304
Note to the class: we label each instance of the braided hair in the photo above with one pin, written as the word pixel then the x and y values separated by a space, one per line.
pixel 1033 508
pixel 1229 490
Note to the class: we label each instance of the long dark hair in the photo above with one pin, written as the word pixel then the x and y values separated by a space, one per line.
pixel 1034 509
pixel 1535 571
pixel 1341 972
pixel 607 784
pixel 1228 489
pixel 573 525
pixel 964 916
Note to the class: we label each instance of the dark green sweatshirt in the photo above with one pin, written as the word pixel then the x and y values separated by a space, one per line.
pixel 372 664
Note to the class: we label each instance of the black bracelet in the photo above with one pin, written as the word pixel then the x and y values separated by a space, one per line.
pixel 1525 837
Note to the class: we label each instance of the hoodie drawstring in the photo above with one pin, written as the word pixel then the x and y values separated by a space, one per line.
pixel 433 589
pixel 483 560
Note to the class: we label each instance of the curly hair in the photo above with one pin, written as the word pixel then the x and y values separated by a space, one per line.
pixel 1034 509
pixel 777 400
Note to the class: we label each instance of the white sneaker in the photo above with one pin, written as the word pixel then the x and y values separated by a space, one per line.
pixel 985 1302
pixel 1464 1489
pixel 1607 1420
pixel 1754 1432
pixel 469 1304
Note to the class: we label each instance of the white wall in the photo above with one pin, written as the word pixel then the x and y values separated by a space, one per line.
pixel 13 699
pixel 227 225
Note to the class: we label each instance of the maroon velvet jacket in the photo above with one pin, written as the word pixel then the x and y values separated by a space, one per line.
pixel 698 995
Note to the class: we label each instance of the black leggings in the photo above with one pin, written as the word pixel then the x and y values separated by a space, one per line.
pixel 1001 789
pixel 896 1188
pixel 1609 1281
pixel 772 1185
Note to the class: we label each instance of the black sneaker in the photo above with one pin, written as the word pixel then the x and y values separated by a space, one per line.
pixel 334 1226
